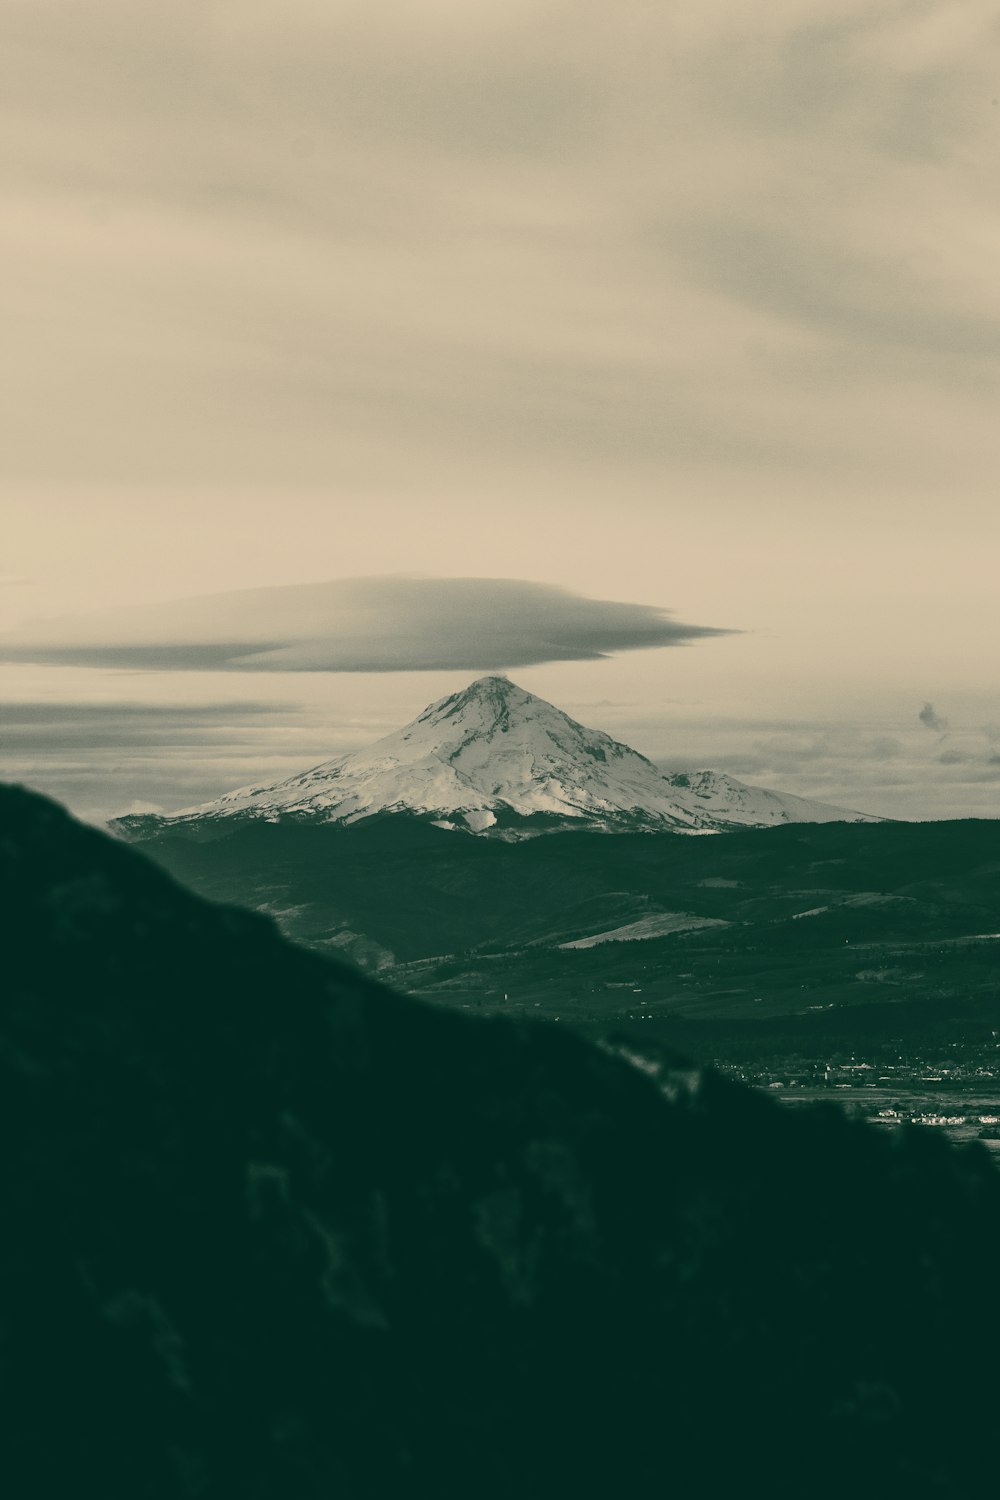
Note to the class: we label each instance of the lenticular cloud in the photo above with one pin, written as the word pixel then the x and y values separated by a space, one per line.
pixel 358 625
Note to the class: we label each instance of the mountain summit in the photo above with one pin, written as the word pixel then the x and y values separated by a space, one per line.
pixel 494 757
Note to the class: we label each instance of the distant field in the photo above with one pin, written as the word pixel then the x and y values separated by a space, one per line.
pixel 804 938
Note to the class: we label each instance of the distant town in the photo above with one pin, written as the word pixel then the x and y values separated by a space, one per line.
pixel 966 1068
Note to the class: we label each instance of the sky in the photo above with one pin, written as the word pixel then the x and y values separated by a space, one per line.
pixel 675 327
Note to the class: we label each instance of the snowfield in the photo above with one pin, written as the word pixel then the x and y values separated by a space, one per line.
pixel 657 924
pixel 483 758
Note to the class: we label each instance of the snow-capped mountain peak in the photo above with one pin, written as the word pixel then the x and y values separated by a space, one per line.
pixel 494 756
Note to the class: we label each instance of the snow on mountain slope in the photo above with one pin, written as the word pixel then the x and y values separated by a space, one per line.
pixel 494 754
pixel 742 806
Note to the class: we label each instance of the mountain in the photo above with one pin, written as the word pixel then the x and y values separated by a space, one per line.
pixel 273 1231
pixel 497 758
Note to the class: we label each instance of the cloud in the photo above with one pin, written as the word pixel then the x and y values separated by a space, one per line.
pixel 857 298
pixel 933 720
pixel 48 730
pixel 265 235
pixel 358 625
pixel 790 750
pixel 105 758
pixel 904 773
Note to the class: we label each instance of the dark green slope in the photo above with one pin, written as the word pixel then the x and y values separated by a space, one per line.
pixel 273 1232
pixel 815 916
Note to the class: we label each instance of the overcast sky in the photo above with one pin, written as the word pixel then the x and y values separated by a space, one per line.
pixel 687 307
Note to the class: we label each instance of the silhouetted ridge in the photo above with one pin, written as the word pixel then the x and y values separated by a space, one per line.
pixel 273 1232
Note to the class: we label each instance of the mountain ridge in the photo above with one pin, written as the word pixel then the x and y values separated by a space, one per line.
pixel 275 1232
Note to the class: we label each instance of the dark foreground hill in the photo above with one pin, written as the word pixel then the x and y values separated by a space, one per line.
pixel 272 1232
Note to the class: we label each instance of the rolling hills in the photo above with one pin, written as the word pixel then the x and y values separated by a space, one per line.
pixel 818 926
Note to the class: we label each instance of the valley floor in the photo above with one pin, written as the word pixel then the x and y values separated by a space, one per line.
pixel 827 961
pixel 950 1086
pixel 963 1115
